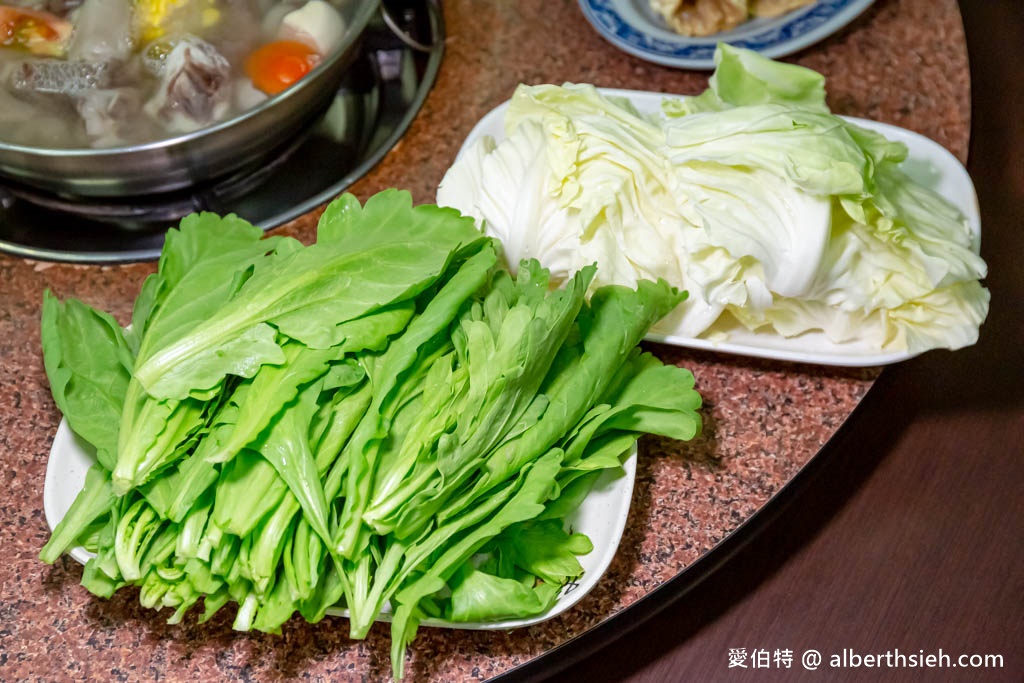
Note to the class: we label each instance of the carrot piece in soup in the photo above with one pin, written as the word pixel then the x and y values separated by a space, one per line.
pixel 276 66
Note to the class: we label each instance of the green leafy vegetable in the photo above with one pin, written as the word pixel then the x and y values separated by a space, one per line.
pixel 387 419
pixel 88 380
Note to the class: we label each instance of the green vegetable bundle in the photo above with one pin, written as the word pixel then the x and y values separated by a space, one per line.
pixel 385 420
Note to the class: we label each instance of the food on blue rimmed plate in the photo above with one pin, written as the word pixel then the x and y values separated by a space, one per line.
pixel 700 18
pixel 386 420
pixel 775 215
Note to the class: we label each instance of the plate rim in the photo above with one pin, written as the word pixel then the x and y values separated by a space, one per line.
pixel 669 49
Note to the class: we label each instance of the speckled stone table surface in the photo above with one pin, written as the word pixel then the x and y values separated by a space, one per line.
pixel 902 62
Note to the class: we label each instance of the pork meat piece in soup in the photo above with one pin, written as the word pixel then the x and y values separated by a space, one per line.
pixel 194 88
pixel 110 115
pixel 59 78
pixel 103 31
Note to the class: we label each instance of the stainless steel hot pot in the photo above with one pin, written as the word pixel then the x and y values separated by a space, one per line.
pixel 203 155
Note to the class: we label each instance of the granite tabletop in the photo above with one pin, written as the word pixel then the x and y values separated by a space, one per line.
pixel 902 62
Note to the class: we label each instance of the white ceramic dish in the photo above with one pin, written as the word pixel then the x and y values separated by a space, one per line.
pixel 927 162
pixel 632 26
pixel 601 516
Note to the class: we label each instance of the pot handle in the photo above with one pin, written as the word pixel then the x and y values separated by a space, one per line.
pixel 432 8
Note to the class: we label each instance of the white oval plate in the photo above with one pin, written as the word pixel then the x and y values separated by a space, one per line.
pixel 927 162
pixel 601 516
pixel 632 26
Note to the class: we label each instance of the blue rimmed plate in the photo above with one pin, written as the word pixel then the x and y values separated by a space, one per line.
pixel 632 26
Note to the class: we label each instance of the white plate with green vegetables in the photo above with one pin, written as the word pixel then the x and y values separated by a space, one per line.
pixel 385 420
pixel 799 235
pixel 601 516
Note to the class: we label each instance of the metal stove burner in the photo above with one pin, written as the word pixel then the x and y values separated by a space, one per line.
pixel 382 92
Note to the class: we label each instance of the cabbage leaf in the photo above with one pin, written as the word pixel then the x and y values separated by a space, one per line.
pixel 770 211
